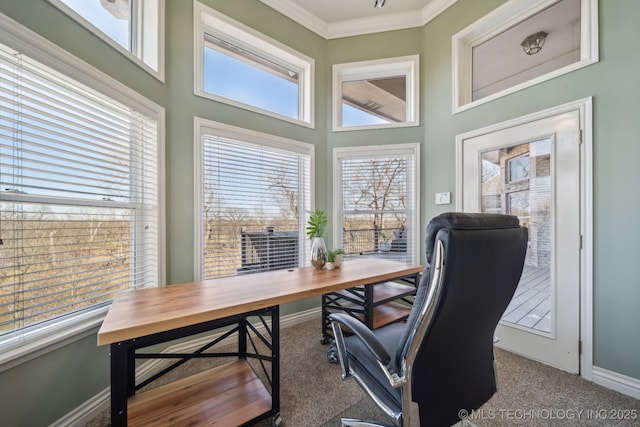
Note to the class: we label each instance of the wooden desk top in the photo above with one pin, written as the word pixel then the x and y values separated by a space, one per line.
pixel 143 312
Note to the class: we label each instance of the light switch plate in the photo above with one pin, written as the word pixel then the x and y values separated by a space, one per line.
pixel 443 198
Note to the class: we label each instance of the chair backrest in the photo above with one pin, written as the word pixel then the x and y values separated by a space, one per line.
pixel 447 347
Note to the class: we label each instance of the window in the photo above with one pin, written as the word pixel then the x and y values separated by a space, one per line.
pixel 519 168
pixel 254 195
pixel 377 191
pixel 376 94
pixel 516 180
pixel 134 27
pixel 79 194
pixel 519 204
pixel 490 59
pixel 239 66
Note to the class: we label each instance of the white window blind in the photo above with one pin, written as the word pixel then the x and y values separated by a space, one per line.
pixel 78 196
pixel 377 203
pixel 254 198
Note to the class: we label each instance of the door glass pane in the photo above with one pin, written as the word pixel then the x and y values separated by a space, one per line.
pixel 517 180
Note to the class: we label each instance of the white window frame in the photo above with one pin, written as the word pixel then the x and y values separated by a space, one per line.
pixel 208 127
pixel 413 218
pixel 208 20
pixel 501 19
pixel 407 66
pixel 38 340
pixel 148 29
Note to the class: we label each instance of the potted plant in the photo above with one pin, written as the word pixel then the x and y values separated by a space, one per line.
pixel 316 230
pixel 385 246
pixel 334 258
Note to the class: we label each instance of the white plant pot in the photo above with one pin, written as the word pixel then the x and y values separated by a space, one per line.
pixel 330 265
pixel 338 261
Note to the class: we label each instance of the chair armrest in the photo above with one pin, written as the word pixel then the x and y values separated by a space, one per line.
pixel 366 336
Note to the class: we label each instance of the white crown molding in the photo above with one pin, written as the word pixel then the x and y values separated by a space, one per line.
pixel 435 8
pixel 354 27
pixel 299 14
pixel 375 24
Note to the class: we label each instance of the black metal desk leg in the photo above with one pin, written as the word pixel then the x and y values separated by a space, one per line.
pixel 119 383
pixel 368 306
pixel 275 364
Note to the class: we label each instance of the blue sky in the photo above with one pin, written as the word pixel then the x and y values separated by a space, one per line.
pixel 92 11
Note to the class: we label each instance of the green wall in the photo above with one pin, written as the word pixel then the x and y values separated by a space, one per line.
pixel 46 388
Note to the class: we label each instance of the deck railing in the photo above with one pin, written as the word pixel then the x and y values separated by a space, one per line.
pixel 369 240
pixel 269 250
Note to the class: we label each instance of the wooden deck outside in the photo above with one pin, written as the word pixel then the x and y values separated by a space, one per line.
pixel 531 303
pixel 530 306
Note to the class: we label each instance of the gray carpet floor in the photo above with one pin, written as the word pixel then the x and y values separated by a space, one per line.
pixel 531 394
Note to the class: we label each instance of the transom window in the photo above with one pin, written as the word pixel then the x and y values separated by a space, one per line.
pixel 134 27
pixel 374 94
pixel 239 66
pixel 79 197
pixel 520 44
pixel 377 198
pixel 254 193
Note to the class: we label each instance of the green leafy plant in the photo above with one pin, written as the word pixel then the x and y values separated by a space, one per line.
pixel 332 253
pixel 317 224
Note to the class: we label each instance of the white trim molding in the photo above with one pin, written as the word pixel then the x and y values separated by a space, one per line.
pixel 355 27
pixel 621 383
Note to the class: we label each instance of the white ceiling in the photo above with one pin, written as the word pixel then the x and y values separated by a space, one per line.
pixel 342 18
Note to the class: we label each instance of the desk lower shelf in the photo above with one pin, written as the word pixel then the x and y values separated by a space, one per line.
pixel 230 394
pixel 389 302
pixel 382 314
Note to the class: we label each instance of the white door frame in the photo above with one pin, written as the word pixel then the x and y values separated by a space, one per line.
pixel 584 107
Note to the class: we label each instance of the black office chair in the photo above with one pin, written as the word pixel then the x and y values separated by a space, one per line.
pixel 427 371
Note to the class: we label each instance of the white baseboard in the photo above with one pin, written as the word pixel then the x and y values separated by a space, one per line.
pixel 85 412
pixel 618 382
pixel 98 403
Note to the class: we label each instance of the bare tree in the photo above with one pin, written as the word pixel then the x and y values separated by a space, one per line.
pixel 379 185
pixel 284 191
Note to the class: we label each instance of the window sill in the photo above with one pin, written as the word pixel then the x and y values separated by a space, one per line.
pixel 201 93
pixel 17 349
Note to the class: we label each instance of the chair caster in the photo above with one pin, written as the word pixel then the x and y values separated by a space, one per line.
pixel 276 421
pixel 332 353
